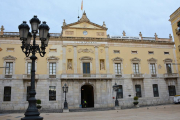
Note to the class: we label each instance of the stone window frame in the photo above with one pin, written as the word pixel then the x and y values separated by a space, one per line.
pixel 139 82
pixel 136 60
pixel 133 51
pixel 28 60
pixel 168 61
pixel 10 94
pixel 51 50
pixel 116 51
pixel 12 59
pixel 117 60
pixel 152 60
pixel 151 52
pixel 166 52
pixel 85 59
pixel 53 59
pixel 10 50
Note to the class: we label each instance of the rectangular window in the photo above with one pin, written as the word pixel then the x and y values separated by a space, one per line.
pixel 138 90
pixel 116 51
pixel 118 68
pixel 53 50
pixel 28 90
pixel 52 93
pixel 9 68
pixel 7 93
pixel 136 68
pixel 29 68
pixel 155 90
pixel 52 68
pixel 10 49
pixel 168 68
pixel 120 92
pixel 134 52
pixel 172 90
pixel 150 52
pixel 166 53
pixel 152 68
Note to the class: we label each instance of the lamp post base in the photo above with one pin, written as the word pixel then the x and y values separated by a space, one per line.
pixel 116 103
pixel 65 110
pixel 65 105
pixel 32 118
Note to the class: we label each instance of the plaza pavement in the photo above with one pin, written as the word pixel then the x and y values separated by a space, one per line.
pixel 164 112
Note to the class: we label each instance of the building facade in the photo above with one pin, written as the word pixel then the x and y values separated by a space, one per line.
pixel 175 19
pixel 90 62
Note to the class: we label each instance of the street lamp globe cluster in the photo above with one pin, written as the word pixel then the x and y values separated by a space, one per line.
pixel 25 36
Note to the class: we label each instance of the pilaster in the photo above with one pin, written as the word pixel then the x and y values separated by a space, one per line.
pixel 97 59
pixel 64 59
pixel 75 59
pixel 107 58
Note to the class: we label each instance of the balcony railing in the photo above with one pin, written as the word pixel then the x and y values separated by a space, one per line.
pixel 137 76
pixel 170 75
pixel 8 76
pixel 28 76
pixel 86 76
pixel 153 75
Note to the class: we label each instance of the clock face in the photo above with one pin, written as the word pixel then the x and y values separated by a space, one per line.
pixel 85 32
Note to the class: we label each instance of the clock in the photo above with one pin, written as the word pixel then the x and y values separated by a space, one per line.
pixel 85 32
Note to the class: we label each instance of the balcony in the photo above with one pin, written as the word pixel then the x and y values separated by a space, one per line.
pixel 86 76
pixel 170 75
pixel 137 76
pixel 153 75
pixel 28 77
pixel 8 76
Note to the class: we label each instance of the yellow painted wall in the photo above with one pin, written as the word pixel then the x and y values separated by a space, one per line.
pixel 176 18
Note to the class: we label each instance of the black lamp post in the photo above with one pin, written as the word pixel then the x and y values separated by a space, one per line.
pixel 116 87
pixel 25 36
pixel 65 90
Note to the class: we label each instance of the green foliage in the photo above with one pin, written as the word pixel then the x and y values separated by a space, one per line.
pixel 135 98
pixel 135 103
pixel 38 101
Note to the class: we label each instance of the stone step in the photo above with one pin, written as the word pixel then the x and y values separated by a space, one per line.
pixel 91 109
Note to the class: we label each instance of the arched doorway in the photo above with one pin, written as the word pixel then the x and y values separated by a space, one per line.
pixel 87 94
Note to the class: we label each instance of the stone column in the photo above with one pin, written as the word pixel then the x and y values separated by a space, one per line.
pixel 64 59
pixel 107 58
pixel 75 59
pixel 97 59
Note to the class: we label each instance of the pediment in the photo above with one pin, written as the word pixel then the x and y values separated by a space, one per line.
pixel 86 58
pixel 117 59
pixel 52 58
pixel 135 59
pixel 168 60
pixel 84 25
pixel 152 60
pixel 9 57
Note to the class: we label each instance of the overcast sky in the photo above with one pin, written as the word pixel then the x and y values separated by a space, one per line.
pixel 132 16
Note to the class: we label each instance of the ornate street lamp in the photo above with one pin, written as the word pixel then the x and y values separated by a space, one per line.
pixel 115 88
pixel 25 36
pixel 65 90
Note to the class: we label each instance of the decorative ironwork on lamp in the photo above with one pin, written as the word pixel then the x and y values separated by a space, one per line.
pixel 25 36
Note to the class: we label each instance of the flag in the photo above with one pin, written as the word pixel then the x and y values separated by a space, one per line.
pixel 82 5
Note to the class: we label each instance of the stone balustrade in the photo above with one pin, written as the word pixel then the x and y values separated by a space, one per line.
pixel 86 76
